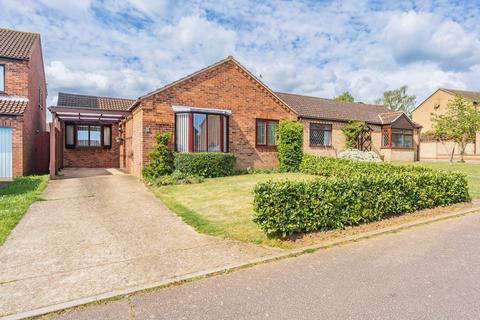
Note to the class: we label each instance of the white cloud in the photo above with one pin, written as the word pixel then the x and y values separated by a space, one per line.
pixel 128 48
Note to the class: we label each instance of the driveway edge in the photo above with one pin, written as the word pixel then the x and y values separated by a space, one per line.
pixel 229 268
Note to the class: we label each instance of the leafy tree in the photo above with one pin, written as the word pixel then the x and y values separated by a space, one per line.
pixel 352 130
pixel 398 100
pixel 161 158
pixel 345 97
pixel 459 125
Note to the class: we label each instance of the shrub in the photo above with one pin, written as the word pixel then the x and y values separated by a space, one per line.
pixel 161 158
pixel 358 155
pixel 342 167
pixel 205 164
pixel 288 207
pixel 290 145
pixel 352 130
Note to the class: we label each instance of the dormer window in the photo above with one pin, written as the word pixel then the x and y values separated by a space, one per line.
pixel 2 77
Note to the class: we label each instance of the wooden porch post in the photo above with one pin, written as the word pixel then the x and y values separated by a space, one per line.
pixel 53 146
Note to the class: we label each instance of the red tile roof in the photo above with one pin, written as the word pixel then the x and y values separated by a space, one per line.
pixel 320 108
pixel 17 44
pixel 83 101
pixel 13 105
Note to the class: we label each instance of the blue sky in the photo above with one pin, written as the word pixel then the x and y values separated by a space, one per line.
pixel 128 48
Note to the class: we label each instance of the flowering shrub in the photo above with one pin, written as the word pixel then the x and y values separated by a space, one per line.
pixel 358 155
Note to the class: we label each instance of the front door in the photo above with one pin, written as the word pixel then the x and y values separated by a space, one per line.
pixel 5 153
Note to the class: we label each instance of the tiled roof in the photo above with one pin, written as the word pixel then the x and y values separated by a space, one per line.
pixel 17 44
pixel 389 117
pixel 13 105
pixel 320 108
pixel 474 95
pixel 82 101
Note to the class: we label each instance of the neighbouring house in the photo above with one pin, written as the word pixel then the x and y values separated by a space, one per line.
pixel 221 108
pixel 23 92
pixel 436 104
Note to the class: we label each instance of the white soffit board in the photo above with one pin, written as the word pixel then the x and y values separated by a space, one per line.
pixel 204 110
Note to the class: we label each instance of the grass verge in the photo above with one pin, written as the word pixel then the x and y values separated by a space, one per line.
pixel 15 198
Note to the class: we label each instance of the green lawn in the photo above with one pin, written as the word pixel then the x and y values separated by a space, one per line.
pixel 15 198
pixel 472 170
pixel 222 206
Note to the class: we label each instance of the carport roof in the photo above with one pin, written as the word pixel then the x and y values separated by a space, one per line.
pixel 69 100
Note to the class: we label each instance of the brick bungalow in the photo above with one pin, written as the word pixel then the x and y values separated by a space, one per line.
pixel 221 108
pixel 436 103
pixel 23 91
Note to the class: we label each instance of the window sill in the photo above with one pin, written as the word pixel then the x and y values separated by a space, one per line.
pixel 398 148
pixel 321 146
pixel 266 146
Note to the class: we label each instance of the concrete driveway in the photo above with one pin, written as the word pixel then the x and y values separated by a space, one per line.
pixel 99 231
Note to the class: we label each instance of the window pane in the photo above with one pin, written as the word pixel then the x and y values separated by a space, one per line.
pixel 82 136
pixel 199 132
pixel 408 141
pixel 2 78
pixel 95 136
pixel 106 136
pixel 181 133
pixel 70 139
pixel 327 135
pixel 261 132
pixel 397 140
pixel 272 133
pixel 214 133
pixel 320 134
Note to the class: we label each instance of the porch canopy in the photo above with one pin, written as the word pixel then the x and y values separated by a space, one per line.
pixel 87 114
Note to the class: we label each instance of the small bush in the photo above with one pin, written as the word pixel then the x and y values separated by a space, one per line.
pixel 290 145
pixel 205 164
pixel 161 158
pixel 288 207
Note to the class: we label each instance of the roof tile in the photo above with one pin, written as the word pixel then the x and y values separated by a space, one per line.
pixel 13 105
pixel 83 101
pixel 17 44
pixel 320 108
pixel 474 95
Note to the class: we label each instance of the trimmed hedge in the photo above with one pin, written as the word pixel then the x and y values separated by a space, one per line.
pixel 341 167
pixel 288 207
pixel 205 164
pixel 290 145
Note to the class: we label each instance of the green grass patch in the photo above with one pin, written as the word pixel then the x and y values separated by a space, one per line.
pixel 472 170
pixel 223 206
pixel 15 198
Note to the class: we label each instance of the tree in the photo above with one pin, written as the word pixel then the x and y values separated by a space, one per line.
pixel 345 97
pixel 398 100
pixel 459 124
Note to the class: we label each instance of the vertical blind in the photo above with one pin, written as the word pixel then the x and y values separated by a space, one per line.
pixel 206 132
pixel 181 132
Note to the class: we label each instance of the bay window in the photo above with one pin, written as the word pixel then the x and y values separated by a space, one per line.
pixel 201 132
pixel 397 138
pixel 266 132
pixel 87 136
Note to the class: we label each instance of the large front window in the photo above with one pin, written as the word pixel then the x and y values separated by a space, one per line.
pixel 397 138
pixel 86 135
pixel 201 132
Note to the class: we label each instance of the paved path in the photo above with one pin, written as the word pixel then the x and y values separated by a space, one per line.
pixel 100 231
pixel 427 272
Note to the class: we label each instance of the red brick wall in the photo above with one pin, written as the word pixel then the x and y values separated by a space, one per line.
pixel 16 77
pixel 25 78
pixel 35 115
pixel 16 123
pixel 226 86
pixel 93 157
